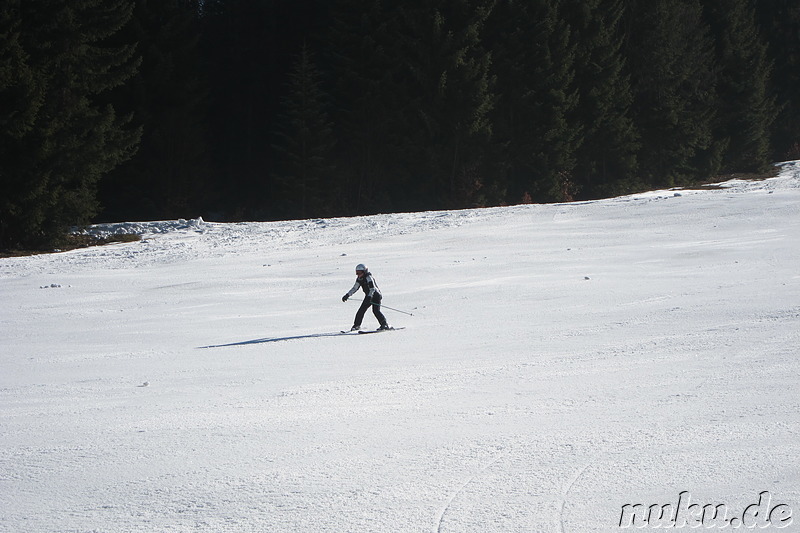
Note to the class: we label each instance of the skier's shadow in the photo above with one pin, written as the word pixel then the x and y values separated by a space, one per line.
pixel 275 339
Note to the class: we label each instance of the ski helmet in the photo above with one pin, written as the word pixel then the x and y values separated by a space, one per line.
pixel 361 267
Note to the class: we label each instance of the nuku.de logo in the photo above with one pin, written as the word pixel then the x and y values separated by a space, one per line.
pixel 686 514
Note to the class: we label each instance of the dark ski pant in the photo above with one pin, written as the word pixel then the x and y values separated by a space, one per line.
pixel 375 302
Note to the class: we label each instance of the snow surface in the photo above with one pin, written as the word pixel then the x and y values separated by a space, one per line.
pixel 561 362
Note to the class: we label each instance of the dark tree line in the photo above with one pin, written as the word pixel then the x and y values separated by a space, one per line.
pixel 270 109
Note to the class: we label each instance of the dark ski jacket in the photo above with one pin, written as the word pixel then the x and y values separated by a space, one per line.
pixel 367 284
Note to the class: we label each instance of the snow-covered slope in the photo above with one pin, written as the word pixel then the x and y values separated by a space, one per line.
pixel 561 362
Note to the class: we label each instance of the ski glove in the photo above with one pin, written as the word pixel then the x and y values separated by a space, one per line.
pixel 345 297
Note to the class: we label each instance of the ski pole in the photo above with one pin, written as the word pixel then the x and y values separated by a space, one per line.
pixel 392 309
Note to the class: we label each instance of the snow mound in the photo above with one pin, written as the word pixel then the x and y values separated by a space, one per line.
pixel 145 228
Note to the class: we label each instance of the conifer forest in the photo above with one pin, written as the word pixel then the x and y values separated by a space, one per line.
pixel 125 110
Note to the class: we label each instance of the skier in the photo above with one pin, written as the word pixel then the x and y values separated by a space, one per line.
pixel 372 297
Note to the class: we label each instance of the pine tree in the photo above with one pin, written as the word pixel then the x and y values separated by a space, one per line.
pixel 535 65
pixel 19 91
pixel 674 80
pixel 471 90
pixel 780 24
pixel 607 156
pixel 249 46
pixel 747 110
pixel 366 112
pixel 305 144
pixel 445 99
pixel 168 177
pixel 22 96
pixel 74 141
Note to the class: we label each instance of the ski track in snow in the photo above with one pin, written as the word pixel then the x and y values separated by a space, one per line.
pixel 455 494
pixel 562 361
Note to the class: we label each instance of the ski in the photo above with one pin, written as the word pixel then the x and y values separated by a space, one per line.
pixel 378 330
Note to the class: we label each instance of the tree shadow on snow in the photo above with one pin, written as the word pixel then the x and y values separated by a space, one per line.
pixel 275 339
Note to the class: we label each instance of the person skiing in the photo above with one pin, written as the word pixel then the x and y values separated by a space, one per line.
pixel 373 297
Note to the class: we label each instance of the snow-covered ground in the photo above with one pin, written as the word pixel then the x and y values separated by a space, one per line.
pixel 562 361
